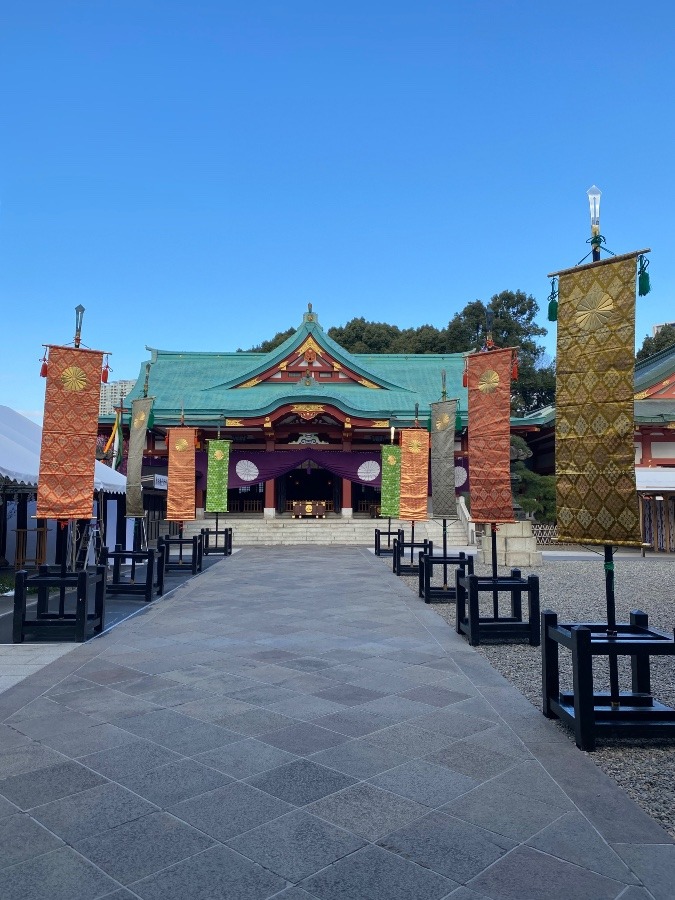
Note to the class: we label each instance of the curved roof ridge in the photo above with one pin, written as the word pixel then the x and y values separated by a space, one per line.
pixel 310 328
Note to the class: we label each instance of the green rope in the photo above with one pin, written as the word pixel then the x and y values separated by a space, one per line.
pixel 596 242
pixel 609 567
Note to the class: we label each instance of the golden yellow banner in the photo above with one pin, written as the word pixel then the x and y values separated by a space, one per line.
pixel 594 454
pixel 68 454
pixel 180 501
pixel 414 474
pixel 489 383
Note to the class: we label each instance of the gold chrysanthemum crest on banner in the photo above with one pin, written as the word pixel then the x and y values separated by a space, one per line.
pixel 442 422
pixel 218 454
pixel 488 382
pixel 181 445
pixel 139 419
pixel 595 309
pixel 73 379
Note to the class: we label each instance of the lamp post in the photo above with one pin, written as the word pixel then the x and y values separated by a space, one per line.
pixel 594 203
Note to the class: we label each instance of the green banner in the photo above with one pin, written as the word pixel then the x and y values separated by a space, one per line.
pixel 216 476
pixel 391 481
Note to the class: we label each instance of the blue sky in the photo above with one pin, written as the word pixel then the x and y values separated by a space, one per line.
pixel 194 173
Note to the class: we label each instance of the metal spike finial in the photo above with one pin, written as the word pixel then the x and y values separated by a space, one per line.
pixel 79 315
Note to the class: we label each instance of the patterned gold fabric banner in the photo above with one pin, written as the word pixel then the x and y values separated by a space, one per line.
pixel 443 499
pixel 594 454
pixel 68 454
pixel 489 382
pixel 140 414
pixel 180 501
pixel 216 476
pixel 414 474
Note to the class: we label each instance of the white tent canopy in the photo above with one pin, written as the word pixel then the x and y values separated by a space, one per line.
pixel 20 442
pixel 654 479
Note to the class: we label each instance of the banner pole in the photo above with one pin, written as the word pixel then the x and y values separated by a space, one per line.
pixel 445 553
pixel 495 593
pixel 611 625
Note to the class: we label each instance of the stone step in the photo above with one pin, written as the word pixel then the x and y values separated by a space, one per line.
pixel 325 531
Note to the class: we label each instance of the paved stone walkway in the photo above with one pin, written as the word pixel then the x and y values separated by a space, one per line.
pixel 296 724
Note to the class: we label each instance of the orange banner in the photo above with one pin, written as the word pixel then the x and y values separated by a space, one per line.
pixel 414 473
pixel 180 502
pixel 68 454
pixel 489 383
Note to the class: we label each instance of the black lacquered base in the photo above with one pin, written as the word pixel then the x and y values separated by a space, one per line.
pixel 497 628
pixel 592 715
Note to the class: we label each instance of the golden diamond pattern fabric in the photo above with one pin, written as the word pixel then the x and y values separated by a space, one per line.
pixel 414 474
pixel 68 454
pixel 595 459
pixel 140 415
pixel 180 501
pixel 443 499
pixel 489 384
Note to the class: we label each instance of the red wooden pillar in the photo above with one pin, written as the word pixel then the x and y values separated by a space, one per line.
pixel 346 498
pixel 269 494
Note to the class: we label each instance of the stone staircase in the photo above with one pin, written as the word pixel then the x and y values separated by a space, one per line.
pixel 247 530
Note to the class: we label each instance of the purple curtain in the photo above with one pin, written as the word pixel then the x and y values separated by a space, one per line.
pixel 253 466
pixel 346 465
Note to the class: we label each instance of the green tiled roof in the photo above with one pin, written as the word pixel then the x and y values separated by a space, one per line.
pixel 655 368
pixel 206 385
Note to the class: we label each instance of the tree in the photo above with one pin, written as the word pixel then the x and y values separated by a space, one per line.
pixel 272 344
pixel 651 345
pixel 532 492
pixel 514 325
pixel 360 336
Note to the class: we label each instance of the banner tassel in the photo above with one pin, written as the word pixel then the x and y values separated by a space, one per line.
pixel 644 286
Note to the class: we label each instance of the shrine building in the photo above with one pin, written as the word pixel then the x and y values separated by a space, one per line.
pixel 306 420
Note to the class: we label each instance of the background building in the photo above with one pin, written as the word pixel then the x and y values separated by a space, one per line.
pixel 112 394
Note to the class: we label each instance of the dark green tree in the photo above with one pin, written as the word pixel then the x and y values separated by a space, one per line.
pixel 514 325
pixel 272 344
pixel 532 492
pixel 361 336
pixel 651 345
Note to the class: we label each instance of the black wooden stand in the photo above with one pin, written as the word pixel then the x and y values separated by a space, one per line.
pixel 445 592
pixel 57 624
pixel 497 628
pixel 179 560
pixel 595 715
pixel 125 583
pixel 215 547
pixel 388 550
pixel 400 567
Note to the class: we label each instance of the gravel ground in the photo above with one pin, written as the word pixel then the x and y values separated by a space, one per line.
pixel 576 591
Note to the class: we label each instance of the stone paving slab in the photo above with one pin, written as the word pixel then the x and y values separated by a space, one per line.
pixel 295 724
